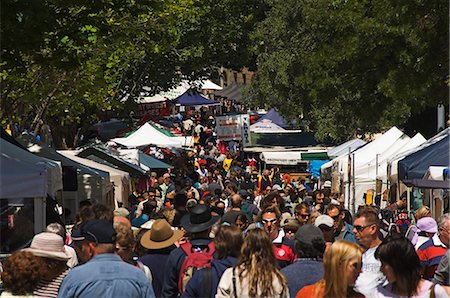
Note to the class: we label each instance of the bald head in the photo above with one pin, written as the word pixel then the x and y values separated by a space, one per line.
pixel 236 201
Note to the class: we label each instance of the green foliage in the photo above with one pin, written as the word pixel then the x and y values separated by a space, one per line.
pixel 67 63
pixel 352 66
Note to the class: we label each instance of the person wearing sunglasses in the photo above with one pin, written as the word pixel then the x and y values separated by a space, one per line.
pixel 343 230
pixel 366 229
pixel 270 221
pixel 301 212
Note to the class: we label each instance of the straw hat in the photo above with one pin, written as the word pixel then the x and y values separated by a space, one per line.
pixel 48 245
pixel 161 235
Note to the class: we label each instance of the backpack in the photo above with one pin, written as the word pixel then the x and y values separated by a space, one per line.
pixel 194 260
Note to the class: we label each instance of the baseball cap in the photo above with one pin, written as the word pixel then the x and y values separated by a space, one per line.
pixel 99 231
pixel 276 187
pixel 324 220
pixel 307 233
pixel 427 224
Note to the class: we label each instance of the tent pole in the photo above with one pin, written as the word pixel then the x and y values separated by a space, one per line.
pixel 353 184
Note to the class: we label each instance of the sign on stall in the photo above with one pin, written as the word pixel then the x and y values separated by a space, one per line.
pixel 234 127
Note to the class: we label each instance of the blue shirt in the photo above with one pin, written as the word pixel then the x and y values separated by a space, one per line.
pixel 106 275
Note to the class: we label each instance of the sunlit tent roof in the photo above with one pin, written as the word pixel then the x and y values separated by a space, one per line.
pixel 145 161
pixel 147 135
pixel 104 156
pixel 193 98
pixel 265 126
pixel 344 148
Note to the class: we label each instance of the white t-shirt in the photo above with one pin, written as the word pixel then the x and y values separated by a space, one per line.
pixel 371 277
pixel 423 291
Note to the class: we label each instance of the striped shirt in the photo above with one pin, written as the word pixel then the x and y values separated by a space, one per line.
pixel 50 288
pixel 430 254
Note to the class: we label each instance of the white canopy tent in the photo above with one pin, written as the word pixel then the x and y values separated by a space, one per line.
pixel 147 135
pixel 362 157
pixel 121 179
pixel 52 169
pixel 265 125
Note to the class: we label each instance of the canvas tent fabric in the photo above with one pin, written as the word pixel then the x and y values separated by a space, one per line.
pixel 19 179
pixel 91 183
pixel 265 126
pixel 275 117
pixel 104 156
pixel 53 168
pixel 362 156
pixel 209 85
pixel 147 135
pixel 344 148
pixel 121 179
pixel 415 165
pixel 436 173
pixel 143 160
pixel 193 98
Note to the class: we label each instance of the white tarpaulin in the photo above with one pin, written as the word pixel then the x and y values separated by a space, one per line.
pixel 281 158
pixel 147 135
pixel 52 168
pixel 234 127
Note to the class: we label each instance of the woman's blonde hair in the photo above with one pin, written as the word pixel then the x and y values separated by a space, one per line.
pixel 423 211
pixel 259 265
pixel 335 263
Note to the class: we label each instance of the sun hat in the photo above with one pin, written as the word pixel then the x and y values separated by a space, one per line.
pixel 48 245
pixel 199 219
pixel 324 220
pixel 427 224
pixel 161 235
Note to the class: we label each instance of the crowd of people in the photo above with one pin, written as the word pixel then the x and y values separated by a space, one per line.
pixel 215 228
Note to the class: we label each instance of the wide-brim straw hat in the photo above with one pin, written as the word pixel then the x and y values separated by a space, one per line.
pixel 48 245
pixel 161 235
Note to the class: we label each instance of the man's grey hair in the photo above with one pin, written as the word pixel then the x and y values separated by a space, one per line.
pixel 443 219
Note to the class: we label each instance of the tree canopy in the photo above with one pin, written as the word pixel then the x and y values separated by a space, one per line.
pixel 348 67
pixel 66 63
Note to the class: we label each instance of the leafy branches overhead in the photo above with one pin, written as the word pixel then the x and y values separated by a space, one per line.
pixel 349 66
pixel 65 63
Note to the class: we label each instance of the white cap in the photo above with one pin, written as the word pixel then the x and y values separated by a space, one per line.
pixel 324 220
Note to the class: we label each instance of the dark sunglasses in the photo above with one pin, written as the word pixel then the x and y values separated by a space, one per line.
pixel 362 228
pixel 304 216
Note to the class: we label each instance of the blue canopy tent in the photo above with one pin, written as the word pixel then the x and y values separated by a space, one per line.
pixel 415 165
pixel 193 98
pixel 314 167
